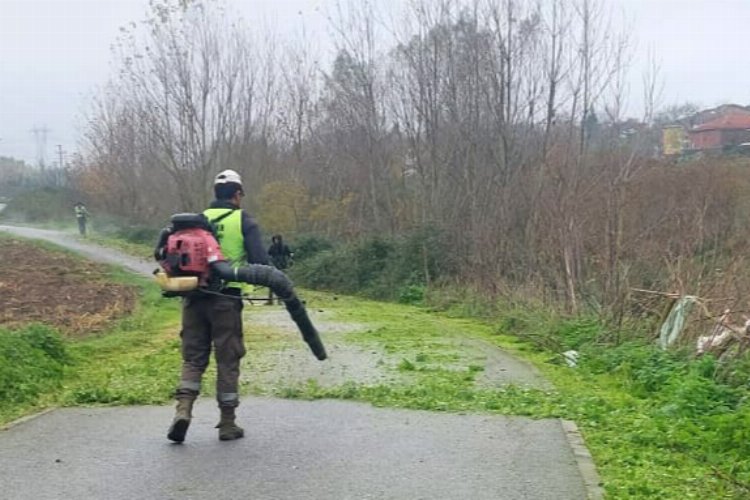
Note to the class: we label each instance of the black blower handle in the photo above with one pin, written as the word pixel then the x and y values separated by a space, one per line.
pixel 258 274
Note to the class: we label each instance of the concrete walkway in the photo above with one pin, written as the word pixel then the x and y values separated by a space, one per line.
pixel 292 449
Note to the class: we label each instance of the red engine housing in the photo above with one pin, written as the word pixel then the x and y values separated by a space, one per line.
pixel 190 252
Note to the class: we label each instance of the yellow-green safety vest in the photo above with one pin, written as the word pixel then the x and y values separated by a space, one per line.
pixel 229 234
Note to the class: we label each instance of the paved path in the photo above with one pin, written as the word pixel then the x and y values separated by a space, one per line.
pixel 94 252
pixel 292 450
pixel 318 450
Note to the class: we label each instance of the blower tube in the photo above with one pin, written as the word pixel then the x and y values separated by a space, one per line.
pixel 258 274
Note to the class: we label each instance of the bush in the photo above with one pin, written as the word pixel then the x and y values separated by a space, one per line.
pixel 577 332
pixel 360 267
pixel 31 363
pixel 371 259
pixel 395 268
pixel 138 234
pixel 41 204
pixel 310 246
pixel 411 294
pixel 323 271
pixel 422 252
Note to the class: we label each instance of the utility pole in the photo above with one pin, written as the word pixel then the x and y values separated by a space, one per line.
pixel 60 156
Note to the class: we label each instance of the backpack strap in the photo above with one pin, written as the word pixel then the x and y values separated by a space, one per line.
pixel 223 216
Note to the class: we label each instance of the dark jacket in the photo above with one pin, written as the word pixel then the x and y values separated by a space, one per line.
pixel 280 253
pixel 256 253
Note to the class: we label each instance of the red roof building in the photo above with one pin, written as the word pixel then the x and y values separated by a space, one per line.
pixel 731 129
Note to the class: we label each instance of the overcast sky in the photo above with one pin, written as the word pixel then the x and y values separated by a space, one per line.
pixel 54 54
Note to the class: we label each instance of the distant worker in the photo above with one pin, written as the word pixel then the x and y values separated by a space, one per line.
pixel 82 216
pixel 216 318
pixel 281 257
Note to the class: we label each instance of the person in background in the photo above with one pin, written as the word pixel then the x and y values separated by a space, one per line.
pixel 281 257
pixel 82 216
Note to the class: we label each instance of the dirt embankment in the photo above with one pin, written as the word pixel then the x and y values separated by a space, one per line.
pixel 39 285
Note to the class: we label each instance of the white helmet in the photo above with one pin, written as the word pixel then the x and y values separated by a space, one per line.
pixel 226 177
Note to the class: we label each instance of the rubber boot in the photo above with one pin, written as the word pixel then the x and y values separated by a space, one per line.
pixel 228 430
pixel 181 422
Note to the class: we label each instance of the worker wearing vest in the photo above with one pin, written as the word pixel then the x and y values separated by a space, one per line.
pixel 216 319
pixel 82 216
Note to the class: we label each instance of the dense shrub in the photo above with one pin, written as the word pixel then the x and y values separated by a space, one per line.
pixel 308 246
pixel 324 270
pixel 395 268
pixel 411 294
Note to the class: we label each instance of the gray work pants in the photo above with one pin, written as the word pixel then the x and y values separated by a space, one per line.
pixel 82 225
pixel 211 321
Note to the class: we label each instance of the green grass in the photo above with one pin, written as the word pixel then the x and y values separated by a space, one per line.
pixel 34 358
pixel 135 363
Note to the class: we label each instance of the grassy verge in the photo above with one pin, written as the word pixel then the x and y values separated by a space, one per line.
pixel 33 362
pixel 134 361
pixel 137 362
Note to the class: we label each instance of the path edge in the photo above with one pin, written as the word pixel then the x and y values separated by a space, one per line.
pixel 584 461
pixel 26 418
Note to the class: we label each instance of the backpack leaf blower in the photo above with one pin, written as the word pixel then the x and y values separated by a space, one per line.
pixel 191 262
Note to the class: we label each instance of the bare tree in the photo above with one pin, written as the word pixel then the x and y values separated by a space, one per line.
pixel 500 122
pixel 189 84
pixel 354 101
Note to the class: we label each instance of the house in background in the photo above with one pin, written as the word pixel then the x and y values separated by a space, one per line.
pixel 713 130
pixel 710 114
pixel 727 131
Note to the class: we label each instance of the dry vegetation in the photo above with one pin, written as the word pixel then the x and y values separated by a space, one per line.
pixel 497 123
pixel 56 289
